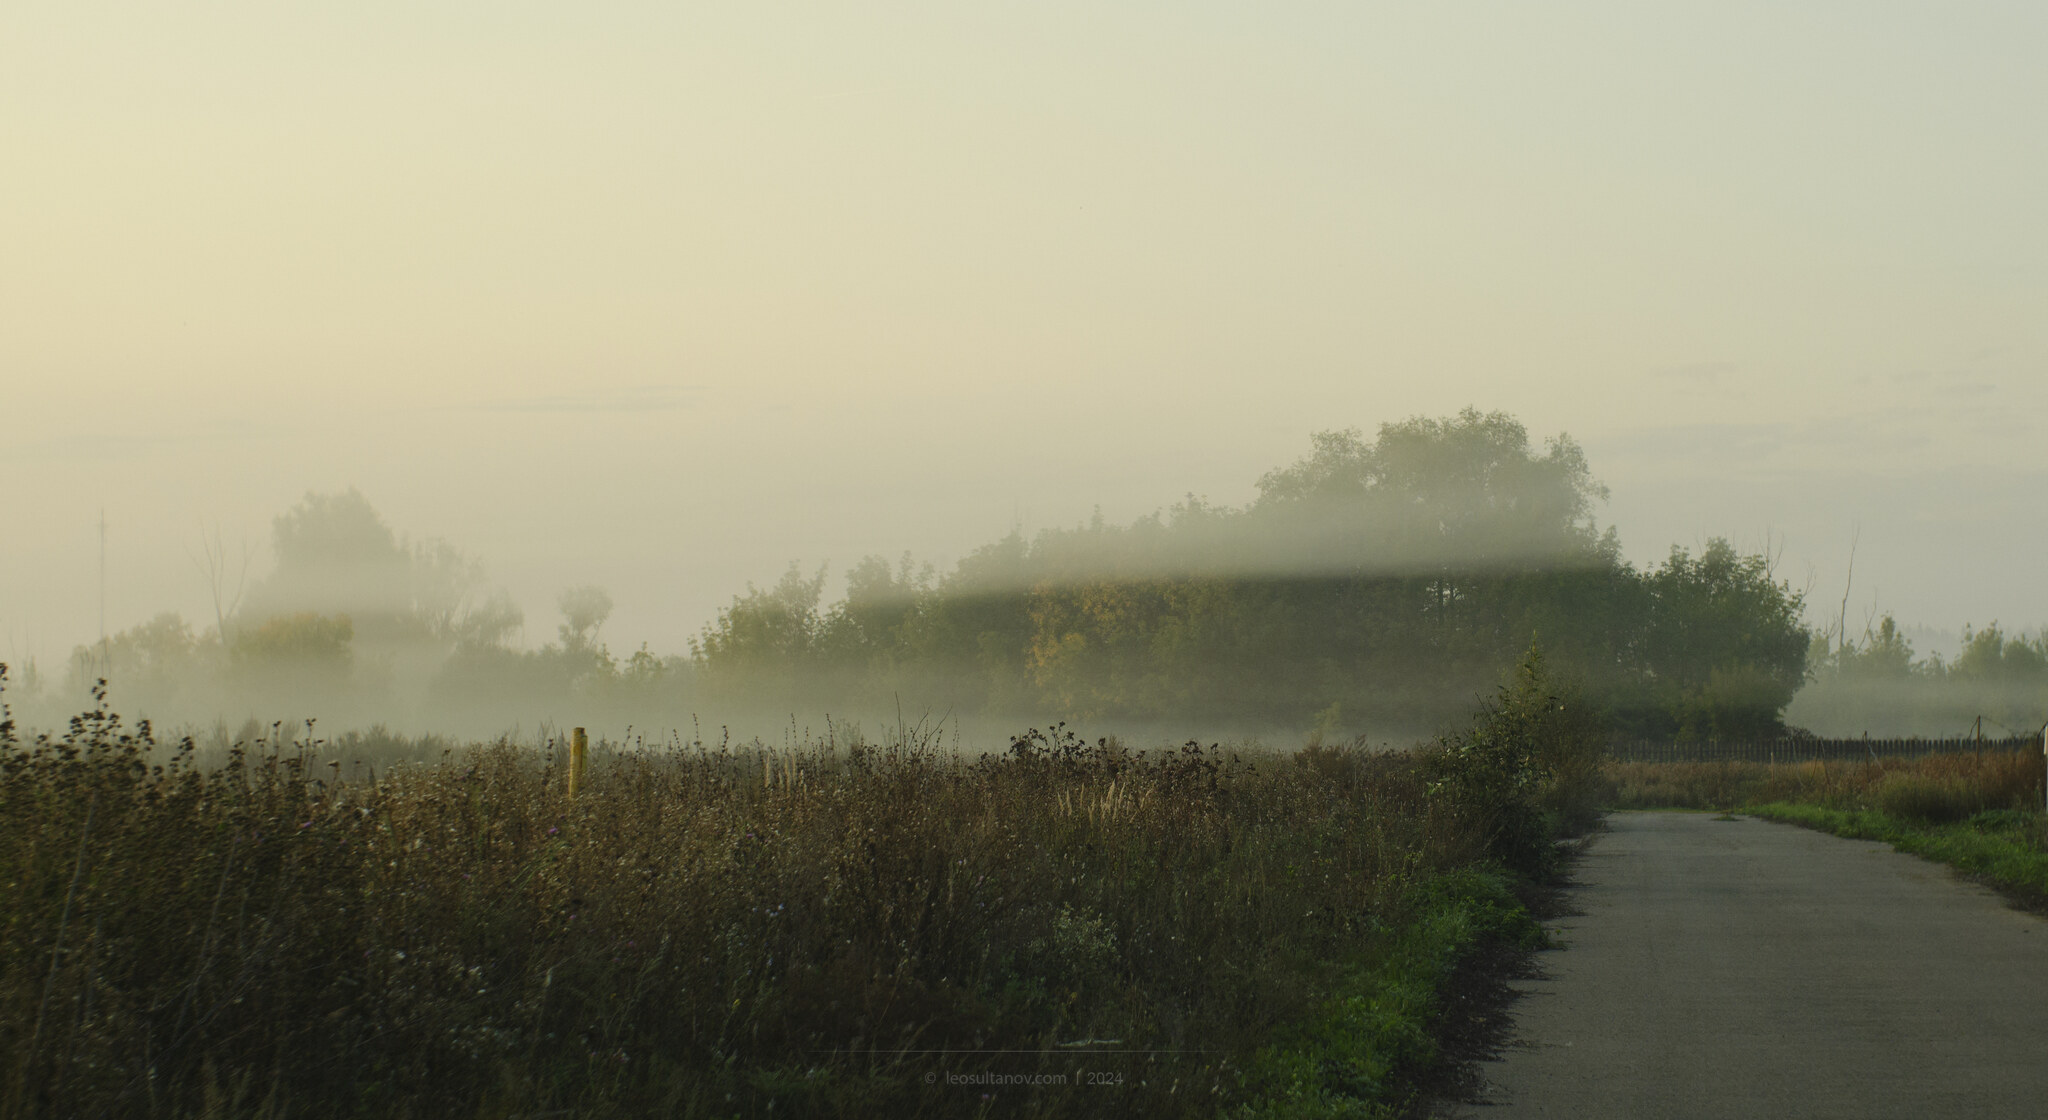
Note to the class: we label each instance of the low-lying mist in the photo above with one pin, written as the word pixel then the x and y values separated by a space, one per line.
pixel 1375 588
pixel 1996 685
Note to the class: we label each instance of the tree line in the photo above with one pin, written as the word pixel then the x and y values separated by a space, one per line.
pixel 1387 580
pixel 1378 582
pixel 1996 684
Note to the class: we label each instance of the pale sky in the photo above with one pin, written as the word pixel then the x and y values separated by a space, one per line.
pixel 661 297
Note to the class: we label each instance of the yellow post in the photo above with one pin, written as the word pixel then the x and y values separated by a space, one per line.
pixel 579 751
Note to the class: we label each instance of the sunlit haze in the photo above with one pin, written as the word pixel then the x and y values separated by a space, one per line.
pixel 661 298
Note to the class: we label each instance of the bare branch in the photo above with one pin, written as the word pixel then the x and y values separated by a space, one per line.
pixel 214 567
pixel 1842 617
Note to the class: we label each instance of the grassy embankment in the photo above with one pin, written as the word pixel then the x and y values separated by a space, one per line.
pixel 846 928
pixel 1978 812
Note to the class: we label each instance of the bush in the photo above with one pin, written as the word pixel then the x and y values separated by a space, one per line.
pixel 1934 800
pixel 1529 768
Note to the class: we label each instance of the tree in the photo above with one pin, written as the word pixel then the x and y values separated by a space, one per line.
pixel 1723 646
pixel 584 611
pixel 1395 576
pixel 146 666
pixel 213 564
pixel 1462 494
pixel 305 640
pixel 303 658
pixel 1884 654
pixel 490 623
pixel 1991 655
pixel 867 627
pixel 336 555
pixel 775 627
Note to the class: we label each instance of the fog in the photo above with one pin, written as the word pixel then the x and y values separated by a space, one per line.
pixel 660 303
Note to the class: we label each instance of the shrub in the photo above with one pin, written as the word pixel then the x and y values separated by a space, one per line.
pixel 1528 768
pixel 1935 800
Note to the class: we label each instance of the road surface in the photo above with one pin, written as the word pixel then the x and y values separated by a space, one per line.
pixel 1751 969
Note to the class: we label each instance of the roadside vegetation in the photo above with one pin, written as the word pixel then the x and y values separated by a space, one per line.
pixel 1979 812
pixel 843 927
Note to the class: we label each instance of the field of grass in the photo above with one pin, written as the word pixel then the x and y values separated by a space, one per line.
pixel 1977 812
pixel 836 929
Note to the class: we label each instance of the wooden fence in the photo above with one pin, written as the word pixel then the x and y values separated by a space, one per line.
pixel 1809 750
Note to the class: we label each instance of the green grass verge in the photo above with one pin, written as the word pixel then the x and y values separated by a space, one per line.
pixel 2002 847
pixel 1361 1052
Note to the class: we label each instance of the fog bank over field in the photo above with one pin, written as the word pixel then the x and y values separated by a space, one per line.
pixel 1944 536
pixel 1376 587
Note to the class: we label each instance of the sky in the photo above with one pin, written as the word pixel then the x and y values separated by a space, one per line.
pixel 664 297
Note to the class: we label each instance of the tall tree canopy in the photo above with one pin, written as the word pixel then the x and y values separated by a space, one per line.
pixel 336 556
pixel 1396 577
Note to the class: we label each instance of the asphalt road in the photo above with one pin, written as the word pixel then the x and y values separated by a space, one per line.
pixel 1749 969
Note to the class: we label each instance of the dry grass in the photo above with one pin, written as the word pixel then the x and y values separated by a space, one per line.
pixel 703 931
pixel 1935 787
